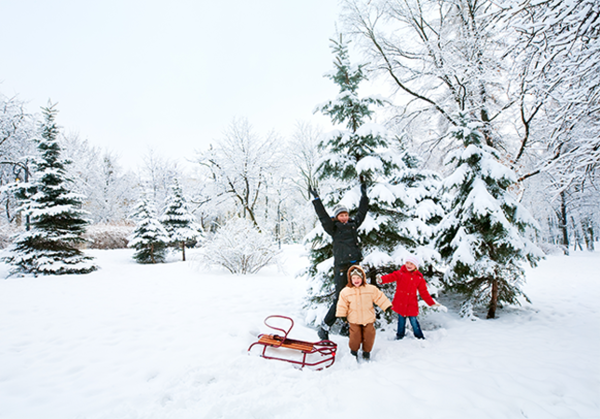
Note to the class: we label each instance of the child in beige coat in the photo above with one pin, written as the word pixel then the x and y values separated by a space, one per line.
pixel 356 304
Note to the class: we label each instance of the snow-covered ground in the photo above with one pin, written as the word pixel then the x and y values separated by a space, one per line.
pixel 170 341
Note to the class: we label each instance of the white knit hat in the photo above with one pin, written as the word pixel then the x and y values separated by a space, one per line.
pixel 413 259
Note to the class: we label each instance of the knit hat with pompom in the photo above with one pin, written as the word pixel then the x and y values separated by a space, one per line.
pixel 413 259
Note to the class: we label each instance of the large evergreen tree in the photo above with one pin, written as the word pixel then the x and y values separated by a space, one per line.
pixel 179 222
pixel 482 238
pixel 402 205
pixel 149 239
pixel 56 224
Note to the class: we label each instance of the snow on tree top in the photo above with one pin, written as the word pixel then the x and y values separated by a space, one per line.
pixel 483 204
pixel 369 224
pixel 427 209
pixel 372 129
pixel 378 258
pixel 382 193
pixel 369 163
pixel 496 170
pixel 463 243
pixel 323 238
pixel 456 178
pixel 325 266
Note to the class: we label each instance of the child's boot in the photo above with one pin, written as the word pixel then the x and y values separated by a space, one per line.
pixel 354 354
pixel 367 356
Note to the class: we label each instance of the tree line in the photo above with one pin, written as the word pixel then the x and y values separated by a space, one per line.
pixel 486 150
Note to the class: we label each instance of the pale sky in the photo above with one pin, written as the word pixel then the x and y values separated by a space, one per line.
pixel 130 75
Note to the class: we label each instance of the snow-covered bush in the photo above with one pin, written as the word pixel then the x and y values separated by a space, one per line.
pixel 109 235
pixel 240 248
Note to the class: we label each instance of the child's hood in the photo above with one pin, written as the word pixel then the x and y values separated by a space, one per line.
pixel 355 269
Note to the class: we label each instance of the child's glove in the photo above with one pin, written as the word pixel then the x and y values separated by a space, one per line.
pixel 378 279
pixel 389 310
pixel 440 307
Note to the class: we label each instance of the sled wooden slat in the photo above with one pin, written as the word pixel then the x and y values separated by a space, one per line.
pixel 276 341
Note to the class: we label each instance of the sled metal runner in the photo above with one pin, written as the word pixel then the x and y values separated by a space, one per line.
pixel 313 354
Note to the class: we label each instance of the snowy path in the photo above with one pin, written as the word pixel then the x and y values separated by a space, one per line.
pixel 169 341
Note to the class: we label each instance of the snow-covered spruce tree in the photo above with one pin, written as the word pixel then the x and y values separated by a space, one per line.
pixel 482 238
pixel 239 247
pixel 179 222
pixel 50 244
pixel 149 239
pixel 403 205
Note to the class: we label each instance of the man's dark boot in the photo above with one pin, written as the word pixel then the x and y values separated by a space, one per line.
pixel 367 356
pixel 323 334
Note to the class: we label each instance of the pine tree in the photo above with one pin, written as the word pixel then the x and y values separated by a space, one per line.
pixel 56 223
pixel 149 239
pixel 482 238
pixel 403 206
pixel 179 222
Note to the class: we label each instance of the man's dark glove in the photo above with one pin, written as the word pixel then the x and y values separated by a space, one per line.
pixel 363 188
pixel 313 192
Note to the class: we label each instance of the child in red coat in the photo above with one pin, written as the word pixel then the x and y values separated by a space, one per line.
pixel 408 281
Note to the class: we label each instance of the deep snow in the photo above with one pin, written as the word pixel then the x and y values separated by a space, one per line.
pixel 170 341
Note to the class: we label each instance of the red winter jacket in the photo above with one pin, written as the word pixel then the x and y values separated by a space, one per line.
pixel 407 283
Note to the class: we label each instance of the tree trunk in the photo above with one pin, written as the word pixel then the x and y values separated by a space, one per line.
pixel 183 251
pixel 589 235
pixel 494 301
pixel 563 222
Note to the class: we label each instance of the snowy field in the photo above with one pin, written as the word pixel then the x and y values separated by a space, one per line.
pixel 170 341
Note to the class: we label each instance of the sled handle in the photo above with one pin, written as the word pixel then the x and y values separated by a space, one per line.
pixel 285 332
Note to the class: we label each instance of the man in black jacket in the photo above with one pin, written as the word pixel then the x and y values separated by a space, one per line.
pixel 346 246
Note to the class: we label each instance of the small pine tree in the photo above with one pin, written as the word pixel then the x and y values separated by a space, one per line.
pixel 482 237
pixel 179 222
pixel 56 222
pixel 403 204
pixel 149 239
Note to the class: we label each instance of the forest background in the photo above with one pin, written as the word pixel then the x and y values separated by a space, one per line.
pixel 525 72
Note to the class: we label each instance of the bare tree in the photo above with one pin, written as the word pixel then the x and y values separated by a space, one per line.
pixel 98 175
pixel 158 174
pixel 558 51
pixel 442 58
pixel 17 129
pixel 240 165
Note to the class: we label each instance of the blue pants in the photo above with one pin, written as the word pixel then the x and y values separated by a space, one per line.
pixel 414 324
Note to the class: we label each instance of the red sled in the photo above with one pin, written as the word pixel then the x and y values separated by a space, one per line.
pixel 313 354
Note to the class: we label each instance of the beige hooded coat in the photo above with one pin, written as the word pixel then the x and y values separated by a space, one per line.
pixel 356 303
